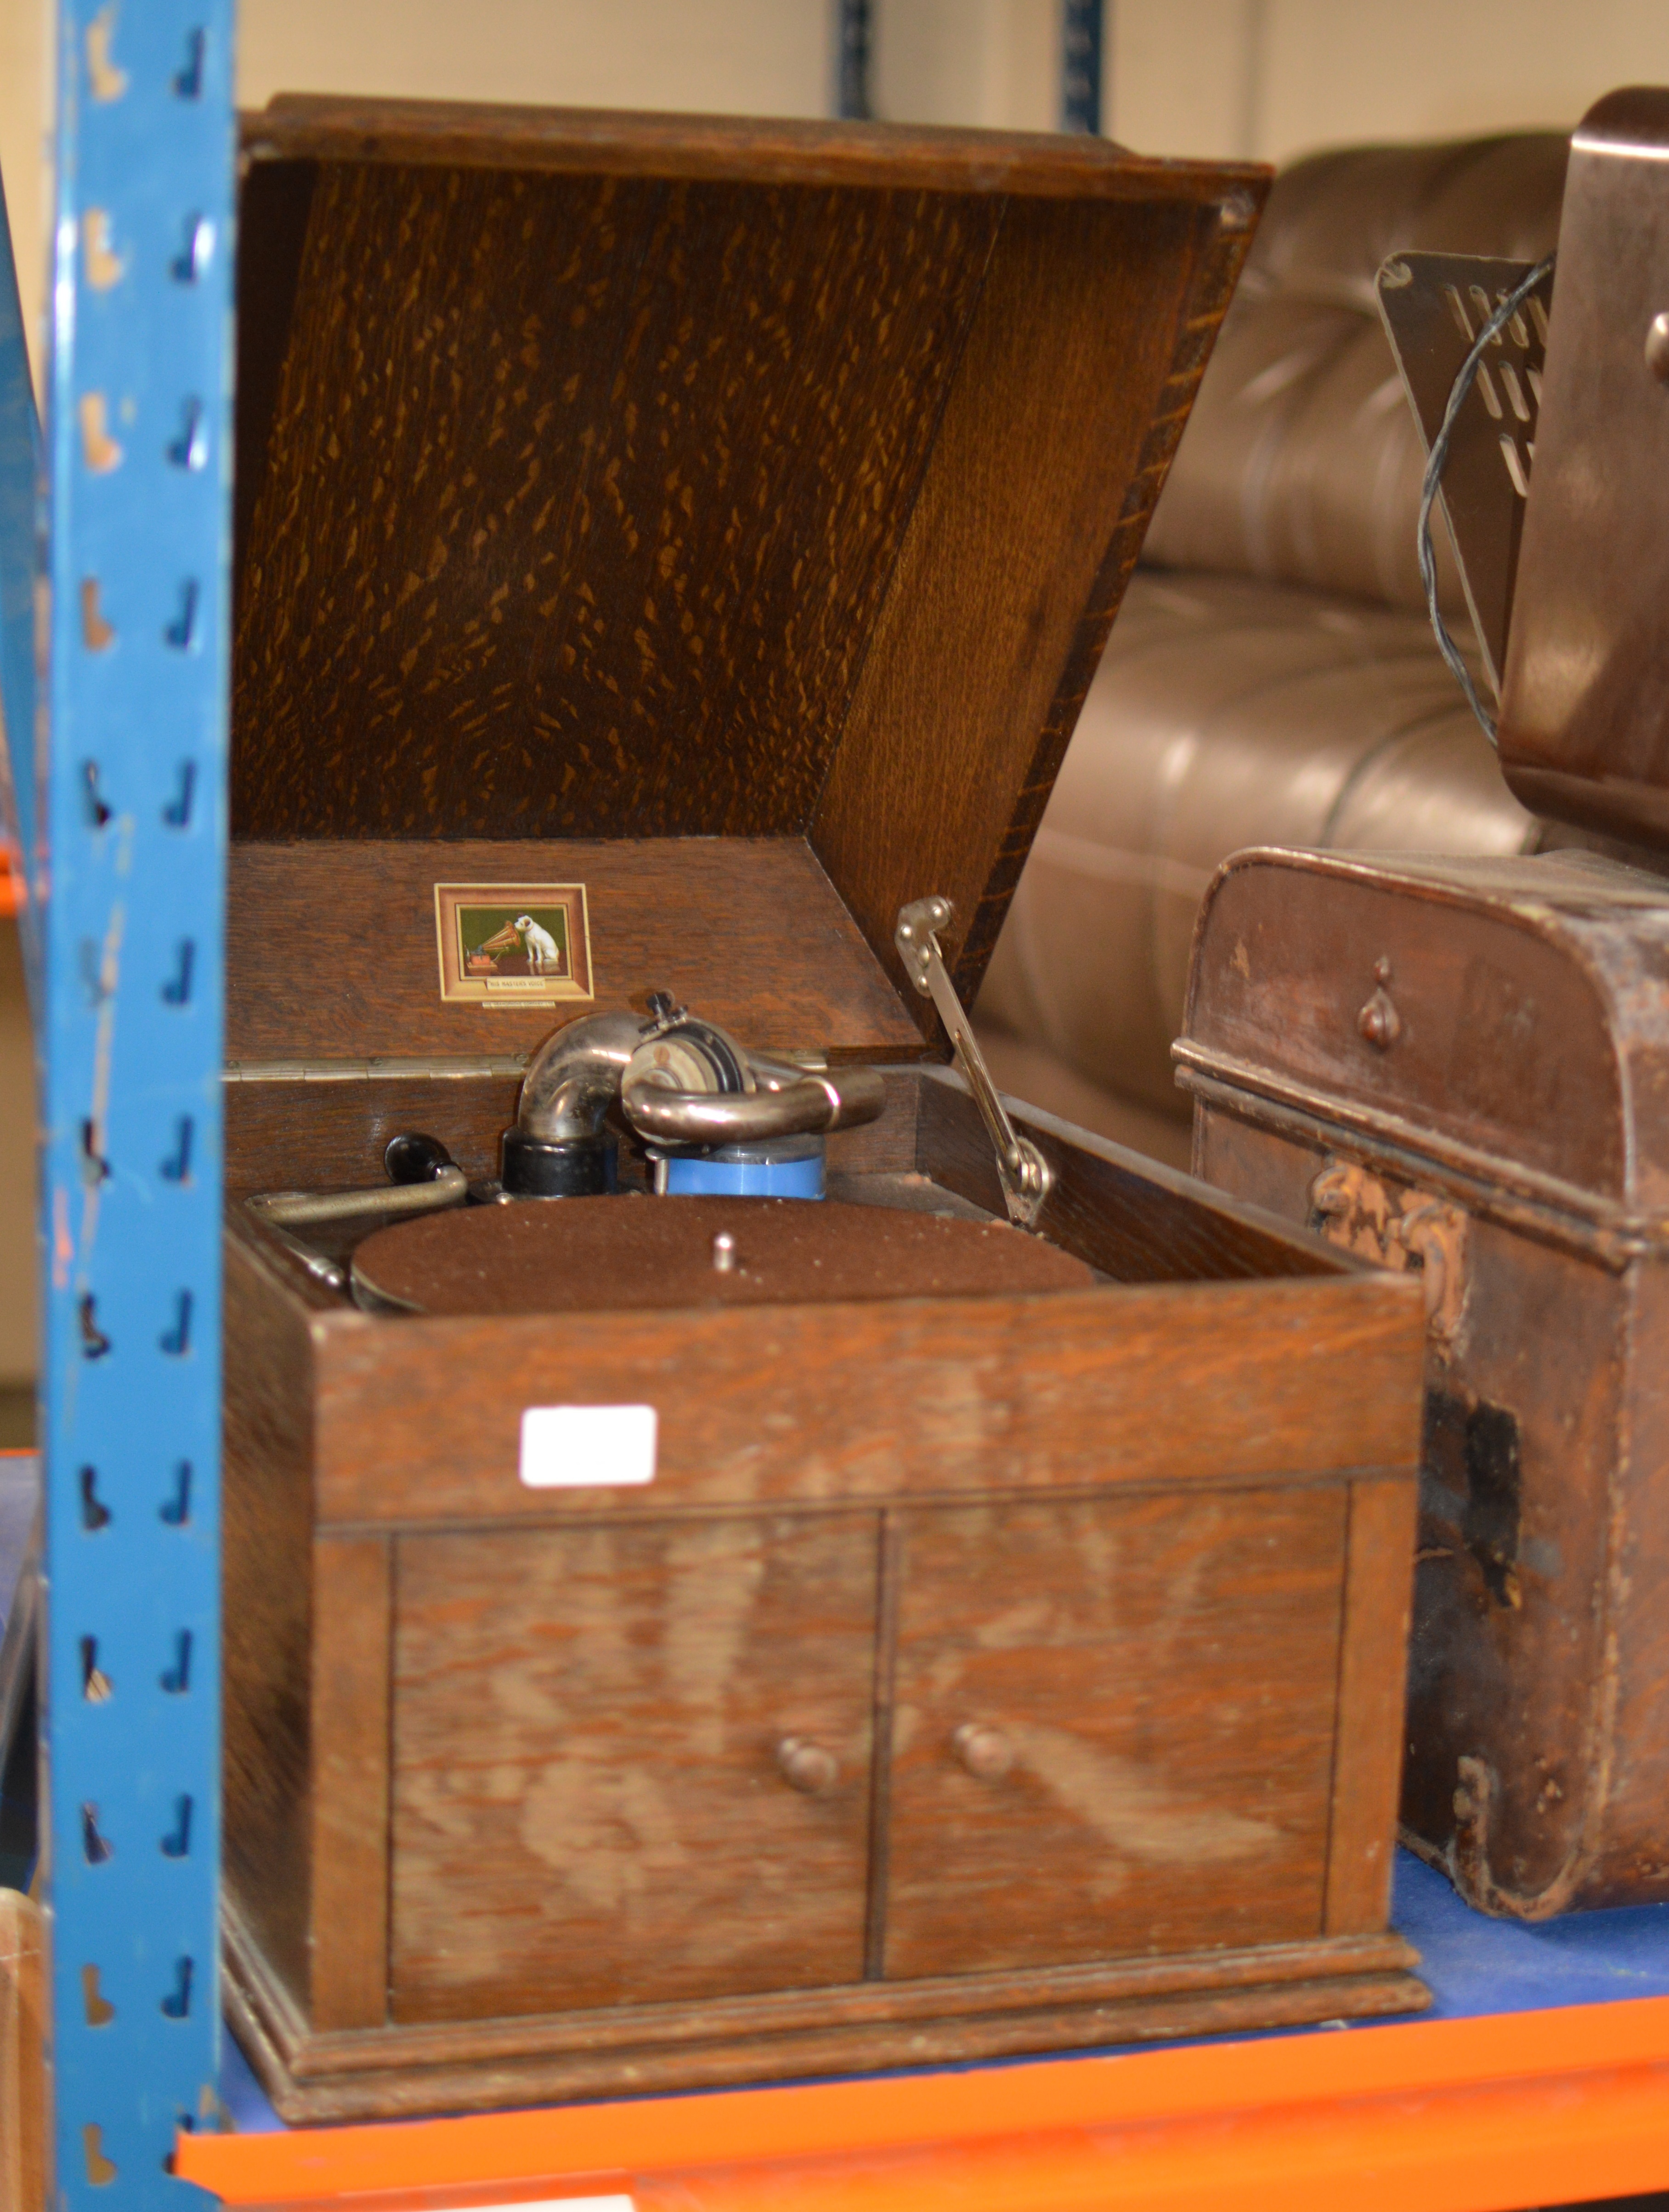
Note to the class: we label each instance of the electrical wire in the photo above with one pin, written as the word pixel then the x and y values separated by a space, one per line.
pixel 1434 476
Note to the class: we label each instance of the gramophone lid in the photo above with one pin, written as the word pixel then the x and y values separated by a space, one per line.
pixel 608 477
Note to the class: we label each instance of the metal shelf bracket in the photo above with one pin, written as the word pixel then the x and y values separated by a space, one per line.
pixel 119 799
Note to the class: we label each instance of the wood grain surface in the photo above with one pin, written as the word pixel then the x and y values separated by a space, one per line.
pixel 581 496
pixel 729 516
pixel 1368 1761
pixel 288 1134
pixel 274 206
pixel 588 1806
pixel 418 1419
pixel 582 141
pixel 1163 1794
pixel 352 1694
pixel 330 947
pixel 1030 518
pixel 759 483
pixel 487 2064
pixel 266 1669
pixel 23 2026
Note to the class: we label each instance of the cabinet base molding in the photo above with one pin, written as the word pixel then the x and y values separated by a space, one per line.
pixel 392 2073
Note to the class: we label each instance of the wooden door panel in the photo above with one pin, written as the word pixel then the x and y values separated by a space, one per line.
pixel 588 1806
pixel 1155 1678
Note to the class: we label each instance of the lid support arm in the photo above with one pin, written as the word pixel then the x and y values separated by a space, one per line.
pixel 1022 1170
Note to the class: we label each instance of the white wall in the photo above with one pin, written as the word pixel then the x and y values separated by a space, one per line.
pixel 1274 78
pixel 23 113
pixel 1267 78
pixel 740 56
pixel 990 62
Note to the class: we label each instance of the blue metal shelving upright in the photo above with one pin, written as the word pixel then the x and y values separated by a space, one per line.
pixel 119 799
pixel 1082 44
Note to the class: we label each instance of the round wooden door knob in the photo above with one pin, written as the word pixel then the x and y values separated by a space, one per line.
pixel 807 1767
pixel 986 1753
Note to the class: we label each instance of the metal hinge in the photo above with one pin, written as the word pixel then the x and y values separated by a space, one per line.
pixel 1024 1173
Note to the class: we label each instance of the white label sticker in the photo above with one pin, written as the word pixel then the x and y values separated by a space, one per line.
pixel 587 1446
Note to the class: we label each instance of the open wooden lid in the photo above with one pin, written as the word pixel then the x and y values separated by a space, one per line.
pixel 610 477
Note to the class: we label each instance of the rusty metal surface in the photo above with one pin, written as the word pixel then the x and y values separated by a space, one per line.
pixel 1585 713
pixel 1434 305
pixel 1462 1067
pixel 1533 998
pixel 1529 1778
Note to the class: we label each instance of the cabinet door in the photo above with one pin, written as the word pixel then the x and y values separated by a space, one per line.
pixel 590 1800
pixel 1113 1728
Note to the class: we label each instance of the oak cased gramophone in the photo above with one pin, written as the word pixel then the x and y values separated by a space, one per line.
pixel 677 1635
pixel 1458 1067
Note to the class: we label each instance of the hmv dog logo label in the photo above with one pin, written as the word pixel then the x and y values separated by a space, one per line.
pixel 529 946
pixel 512 944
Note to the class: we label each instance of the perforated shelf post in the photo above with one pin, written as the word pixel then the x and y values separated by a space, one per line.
pixel 129 815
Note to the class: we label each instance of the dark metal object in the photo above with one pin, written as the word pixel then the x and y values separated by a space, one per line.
pixel 414 1158
pixel 1443 312
pixel 573 1167
pixel 1082 45
pixel 1584 707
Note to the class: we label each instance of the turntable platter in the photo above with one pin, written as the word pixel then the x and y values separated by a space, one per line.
pixel 590 1255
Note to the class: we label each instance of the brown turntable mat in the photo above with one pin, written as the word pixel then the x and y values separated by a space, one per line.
pixel 577 1254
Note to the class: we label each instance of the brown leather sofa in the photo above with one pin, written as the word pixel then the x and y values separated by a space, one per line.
pixel 1271 678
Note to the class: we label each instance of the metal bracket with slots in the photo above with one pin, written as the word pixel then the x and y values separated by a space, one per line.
pixel 1433 305
pixel 1022 1170
pixel 118 744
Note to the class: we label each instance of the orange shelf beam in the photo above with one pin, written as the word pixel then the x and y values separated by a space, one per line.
pixel 1452 2116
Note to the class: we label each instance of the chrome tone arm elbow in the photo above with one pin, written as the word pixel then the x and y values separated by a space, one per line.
pixel 803 1105
pixel 575 1076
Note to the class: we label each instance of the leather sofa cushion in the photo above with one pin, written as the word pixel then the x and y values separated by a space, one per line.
pixel 1225 712
pixel 1301 463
